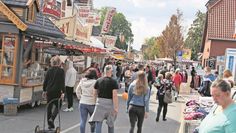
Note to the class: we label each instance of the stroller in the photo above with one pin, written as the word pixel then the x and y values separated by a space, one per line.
pixel 57 129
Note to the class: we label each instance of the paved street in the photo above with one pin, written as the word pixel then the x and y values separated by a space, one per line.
pixel 28 118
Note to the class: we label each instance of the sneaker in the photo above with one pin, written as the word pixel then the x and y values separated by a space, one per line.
pixel 71 109
pixel 51 124
pixel 66 110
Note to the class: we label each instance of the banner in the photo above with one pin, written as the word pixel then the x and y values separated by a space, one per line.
pixel 109 41
pixel 108 19
pixel 52 8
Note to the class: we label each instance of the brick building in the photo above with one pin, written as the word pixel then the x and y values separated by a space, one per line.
pixel 219 30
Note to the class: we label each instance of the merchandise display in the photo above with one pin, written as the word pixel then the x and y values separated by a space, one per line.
pixel 195 111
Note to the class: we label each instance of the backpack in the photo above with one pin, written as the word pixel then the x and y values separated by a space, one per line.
pixel 205 88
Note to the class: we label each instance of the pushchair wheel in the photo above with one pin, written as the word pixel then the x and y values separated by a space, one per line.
pixel 57 130
pixel 37 129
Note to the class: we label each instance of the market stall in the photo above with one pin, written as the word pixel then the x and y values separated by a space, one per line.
pixel 24 34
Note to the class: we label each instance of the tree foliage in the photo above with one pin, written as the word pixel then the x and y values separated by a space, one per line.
pixel 195 33
pixel 119 26
pixel 151 52
pixel 173 37
pixel 169 42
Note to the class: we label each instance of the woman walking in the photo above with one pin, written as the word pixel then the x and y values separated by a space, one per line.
pixel 84 92
pixel 138 101
pixel 165 85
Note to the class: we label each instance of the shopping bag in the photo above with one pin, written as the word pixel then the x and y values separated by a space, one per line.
pixel 168 96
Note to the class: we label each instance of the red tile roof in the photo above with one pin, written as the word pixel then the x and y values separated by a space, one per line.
pixel 221 19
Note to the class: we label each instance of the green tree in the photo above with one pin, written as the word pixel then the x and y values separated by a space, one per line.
pixel 195 33
pixel 119 26
pixel 152 48
pixel 173 37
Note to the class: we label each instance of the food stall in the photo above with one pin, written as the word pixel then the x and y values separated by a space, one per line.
pixel 24 35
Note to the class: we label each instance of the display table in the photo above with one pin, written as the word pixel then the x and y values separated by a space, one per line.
pixel 190 125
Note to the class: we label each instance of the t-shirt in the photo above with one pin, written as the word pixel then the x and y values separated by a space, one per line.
pixel 221 122
pixel 105 86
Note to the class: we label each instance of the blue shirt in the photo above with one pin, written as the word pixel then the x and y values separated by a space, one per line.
pixel 224 122
pixel 142 100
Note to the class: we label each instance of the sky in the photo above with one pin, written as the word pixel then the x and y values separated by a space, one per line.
pixel 150 17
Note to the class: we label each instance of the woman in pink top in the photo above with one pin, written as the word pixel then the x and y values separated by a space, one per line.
pixel 177 79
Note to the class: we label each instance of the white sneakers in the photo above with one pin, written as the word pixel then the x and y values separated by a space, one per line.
pixel 68 109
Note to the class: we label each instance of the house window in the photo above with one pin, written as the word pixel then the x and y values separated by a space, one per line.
pixel 30 13
pixel 7 58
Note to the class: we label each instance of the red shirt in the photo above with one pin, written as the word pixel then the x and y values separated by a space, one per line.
pixel 177 79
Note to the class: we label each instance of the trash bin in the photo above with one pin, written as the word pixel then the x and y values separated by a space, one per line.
pixel 10 106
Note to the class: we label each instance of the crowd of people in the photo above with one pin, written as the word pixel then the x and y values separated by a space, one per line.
pixel 97 91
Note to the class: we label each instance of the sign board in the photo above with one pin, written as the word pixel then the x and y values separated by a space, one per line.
pixel 82 33
pixel 67 25
pixel 109 41
pixel 52 8
pixel 88 16
pixel 93 19
pixel 55 51
pixel 108 19
pixel 187 54
pixel 230 61
pixel 83 11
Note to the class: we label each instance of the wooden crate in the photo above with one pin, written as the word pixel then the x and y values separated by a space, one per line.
pixel 10 109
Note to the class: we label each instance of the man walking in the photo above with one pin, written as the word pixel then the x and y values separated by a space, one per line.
pixel 53 89
pixel 107 101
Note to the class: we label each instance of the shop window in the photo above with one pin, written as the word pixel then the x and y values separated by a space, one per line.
pixel 30 13
pixel 7 59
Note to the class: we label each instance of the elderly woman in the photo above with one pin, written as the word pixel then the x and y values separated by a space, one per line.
pixel 223 121
pixel 177 79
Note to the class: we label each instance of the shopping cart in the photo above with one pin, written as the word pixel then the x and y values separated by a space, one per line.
pixel 57 129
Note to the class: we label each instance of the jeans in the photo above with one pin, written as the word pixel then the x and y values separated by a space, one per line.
pixel 136 113
pixel 84 111
pixel 98 128
pixel 161 104
pixel 69 94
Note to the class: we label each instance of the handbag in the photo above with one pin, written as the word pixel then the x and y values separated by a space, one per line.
pixel 168 96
